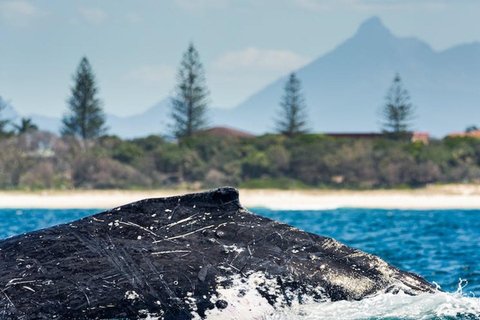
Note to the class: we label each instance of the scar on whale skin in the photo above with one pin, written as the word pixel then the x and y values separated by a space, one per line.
pixel 195 256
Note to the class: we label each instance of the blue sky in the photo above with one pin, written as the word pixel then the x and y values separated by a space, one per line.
pixel 135 46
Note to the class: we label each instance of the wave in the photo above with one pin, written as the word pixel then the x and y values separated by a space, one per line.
pixel 439 306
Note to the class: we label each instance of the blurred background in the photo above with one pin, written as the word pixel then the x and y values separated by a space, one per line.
pixel 291 94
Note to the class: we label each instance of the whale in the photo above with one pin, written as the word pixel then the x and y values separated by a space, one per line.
pixel 194 256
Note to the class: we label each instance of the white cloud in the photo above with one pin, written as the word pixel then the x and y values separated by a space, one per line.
pixel 313 4
pixel 371 5
pixel 152 75
pixel 18 12
pixel 93 15
pixel 194 5
pixel 266 59
pixel 133 17
pixel 238 74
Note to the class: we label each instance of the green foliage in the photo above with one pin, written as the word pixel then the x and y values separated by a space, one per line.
pixel 124 151
pixel 41 160
pixel 4 122
pixel 149 143
pixel 292 118
pixel 189 106
pixel 26 125
pixel 398 111
pixel 309 138
pixel 127 152
pixel 255 164
pixel 471 128
pixel 271 183
pixel 279 159
pixel 85 118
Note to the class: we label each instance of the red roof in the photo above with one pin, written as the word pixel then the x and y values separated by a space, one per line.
pixel 475 133
pixel 225 132
pixel 421 134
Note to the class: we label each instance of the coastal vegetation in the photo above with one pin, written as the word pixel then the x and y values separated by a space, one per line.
pixel 86 156
pixel 42 160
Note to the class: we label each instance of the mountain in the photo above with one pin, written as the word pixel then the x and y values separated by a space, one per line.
pixel 345 88
pixel 152 121
pixel 155 120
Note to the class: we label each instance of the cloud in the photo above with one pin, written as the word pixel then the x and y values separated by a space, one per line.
pixel 370 5
pixel 152 75
pixel 266 59
pixel 194 5
pixel 93 15
pixel 18 13
pixel 238 74
pixel 133 17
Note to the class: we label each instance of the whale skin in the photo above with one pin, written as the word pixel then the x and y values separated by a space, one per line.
pixel 195 256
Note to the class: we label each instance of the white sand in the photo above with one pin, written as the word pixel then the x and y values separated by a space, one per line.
pixel 442 197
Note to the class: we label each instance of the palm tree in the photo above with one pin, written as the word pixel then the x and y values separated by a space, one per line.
pixel 26 125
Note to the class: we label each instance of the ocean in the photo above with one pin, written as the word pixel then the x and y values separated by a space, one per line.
pixel 443 246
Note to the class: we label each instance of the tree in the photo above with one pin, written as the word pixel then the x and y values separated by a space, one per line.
pixel 4 122
pixel 293 115
pixel 471 128
pixel 189 106
pixel 86 118
pixel 397 112
pixel 26 125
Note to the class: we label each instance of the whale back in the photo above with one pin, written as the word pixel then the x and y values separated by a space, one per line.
pixel 195 256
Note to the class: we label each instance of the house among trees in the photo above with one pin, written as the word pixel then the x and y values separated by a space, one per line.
pixel 225 132
pixel 414 136
pixel 355 135
pixel 469 133
pixel 420 137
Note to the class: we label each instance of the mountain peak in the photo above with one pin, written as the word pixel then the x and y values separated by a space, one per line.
pixel 373 27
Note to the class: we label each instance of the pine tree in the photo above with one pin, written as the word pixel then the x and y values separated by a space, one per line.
pixel 293 116
pixel 398 111
pixel 189 106
pixel 4 122
pixel 86 118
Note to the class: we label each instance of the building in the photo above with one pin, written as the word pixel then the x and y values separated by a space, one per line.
pixel 473 134
pixel 225 132
pixel 415 136
pixel 420 137
pixel 355 135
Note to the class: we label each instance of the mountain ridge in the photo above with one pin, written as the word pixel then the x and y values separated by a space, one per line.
pixel 359 71
pixel 345 89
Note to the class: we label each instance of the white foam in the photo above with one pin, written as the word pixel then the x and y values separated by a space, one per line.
pixel 388 306
pixel 250 305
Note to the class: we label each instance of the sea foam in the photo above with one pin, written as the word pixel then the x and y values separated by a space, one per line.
pixel 439 306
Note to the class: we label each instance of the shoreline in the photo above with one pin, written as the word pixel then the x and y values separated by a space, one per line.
pixel 436 197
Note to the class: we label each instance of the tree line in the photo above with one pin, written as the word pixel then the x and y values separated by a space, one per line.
pixel 85 118
pixel 85 156
pixel 42 160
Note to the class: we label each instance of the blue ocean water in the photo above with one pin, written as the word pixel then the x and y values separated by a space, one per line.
pixel 441 245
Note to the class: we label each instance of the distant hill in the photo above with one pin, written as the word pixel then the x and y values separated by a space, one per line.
pixel 345 89
pixel 153 121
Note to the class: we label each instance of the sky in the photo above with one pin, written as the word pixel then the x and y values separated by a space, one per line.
pixel 135 46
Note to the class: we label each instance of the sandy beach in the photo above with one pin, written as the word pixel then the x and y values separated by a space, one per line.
pixel 435 197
